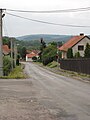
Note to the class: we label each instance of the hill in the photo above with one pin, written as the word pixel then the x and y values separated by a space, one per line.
pixel 47 38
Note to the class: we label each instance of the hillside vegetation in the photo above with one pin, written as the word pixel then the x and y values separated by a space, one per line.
pixel 33 41
pixel 47 38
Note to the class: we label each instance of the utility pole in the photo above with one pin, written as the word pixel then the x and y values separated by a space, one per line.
pixel 15 52
pixel 1 53
pixel 11 40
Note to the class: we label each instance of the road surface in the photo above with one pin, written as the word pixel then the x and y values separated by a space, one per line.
pixel 44 96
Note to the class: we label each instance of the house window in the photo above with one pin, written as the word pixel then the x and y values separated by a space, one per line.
pixel 80 47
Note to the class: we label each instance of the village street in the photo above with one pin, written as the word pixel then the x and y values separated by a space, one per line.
pixel 44 96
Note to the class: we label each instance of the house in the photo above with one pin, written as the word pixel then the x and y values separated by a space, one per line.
pixel 5 50
pixel 33 53
pixel 77 43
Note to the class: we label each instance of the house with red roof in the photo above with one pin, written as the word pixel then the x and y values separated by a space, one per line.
pixel 5 49
pixel 77 43
pixel 33 53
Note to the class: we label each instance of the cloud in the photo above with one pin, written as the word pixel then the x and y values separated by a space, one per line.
pixel 17 26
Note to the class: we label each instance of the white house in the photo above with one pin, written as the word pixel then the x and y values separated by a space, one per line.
pixel 29 56
pixel 77 43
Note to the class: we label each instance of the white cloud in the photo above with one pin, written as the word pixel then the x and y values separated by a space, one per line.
pixel 17 26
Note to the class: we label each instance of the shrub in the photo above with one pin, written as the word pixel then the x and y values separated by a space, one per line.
pixel 49 54
pixel 47 60
pixel 87 51
pixel 6 66
pixel 77 55
pixel 34 58
pixel 70 53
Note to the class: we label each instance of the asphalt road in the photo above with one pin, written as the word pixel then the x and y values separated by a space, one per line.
pixel 44 96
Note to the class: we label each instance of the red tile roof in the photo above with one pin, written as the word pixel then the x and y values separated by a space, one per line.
pixel 5 49
pixel 31 55
pixel 74 40
pixel 33 51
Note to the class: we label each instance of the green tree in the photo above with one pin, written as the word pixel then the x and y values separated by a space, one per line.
pixel 87 51
pixel 42 47
pixel 53 43
pixel 49 54
pixel 77 55
pixel 6 65
pixel 60 54
pixel 34 58
pixel 17 60
pixel 70 53
pixel 6 41
pixel 23 52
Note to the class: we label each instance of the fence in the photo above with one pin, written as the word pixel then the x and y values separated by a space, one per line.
pixel 78 65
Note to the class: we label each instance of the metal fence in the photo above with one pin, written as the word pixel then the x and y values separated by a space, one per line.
pixel 78 65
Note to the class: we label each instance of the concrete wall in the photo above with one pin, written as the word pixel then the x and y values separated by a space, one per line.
pixel 28 59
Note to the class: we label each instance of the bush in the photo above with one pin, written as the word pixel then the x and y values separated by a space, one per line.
pixel 6 66
pixel 49 54
pixel 70 53
pixel 34 58
pixel 87 51
pixel 77 55
pixel 47 60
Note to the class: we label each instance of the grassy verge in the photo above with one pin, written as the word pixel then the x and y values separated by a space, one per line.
pixel 54 67
pixel 17 73
pixel 52 64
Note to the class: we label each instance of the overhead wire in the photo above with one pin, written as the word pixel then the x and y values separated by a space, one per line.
pixel 53 11
pixel 46 22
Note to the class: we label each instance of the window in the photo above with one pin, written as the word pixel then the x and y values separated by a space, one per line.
pixel 80 47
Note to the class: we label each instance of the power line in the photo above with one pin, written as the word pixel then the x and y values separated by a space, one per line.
pixel 45 22
pixel 54 11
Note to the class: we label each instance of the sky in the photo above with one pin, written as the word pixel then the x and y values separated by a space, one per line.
pixel 14 26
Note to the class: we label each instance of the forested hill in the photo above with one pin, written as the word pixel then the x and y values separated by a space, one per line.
pixel 46 37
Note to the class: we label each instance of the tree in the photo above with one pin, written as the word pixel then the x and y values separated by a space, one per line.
pixel 70 53
pixel 53 43
pixel 6 65
pixel 42 47
pixel 6 41
pixel 87 51
pixel 60 54
pixel 23 52
pixel 17 60
pixel 49 54
pixel 34 58
pixel 77 55
pixel 43 44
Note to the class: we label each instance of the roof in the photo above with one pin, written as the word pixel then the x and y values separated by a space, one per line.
pixel 31 55
pixel 33 51
pixel 71 42
pixel 5 49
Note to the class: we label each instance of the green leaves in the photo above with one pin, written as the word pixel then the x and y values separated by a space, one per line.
pixel 49 54
pixel 87 51
pixel 70 53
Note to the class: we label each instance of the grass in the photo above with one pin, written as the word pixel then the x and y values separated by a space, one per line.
pixel 17 73
pixel 52 64
pixel 54 67
pixel 57 69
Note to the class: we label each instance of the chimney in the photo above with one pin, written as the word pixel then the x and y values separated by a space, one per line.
pixel 81 34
